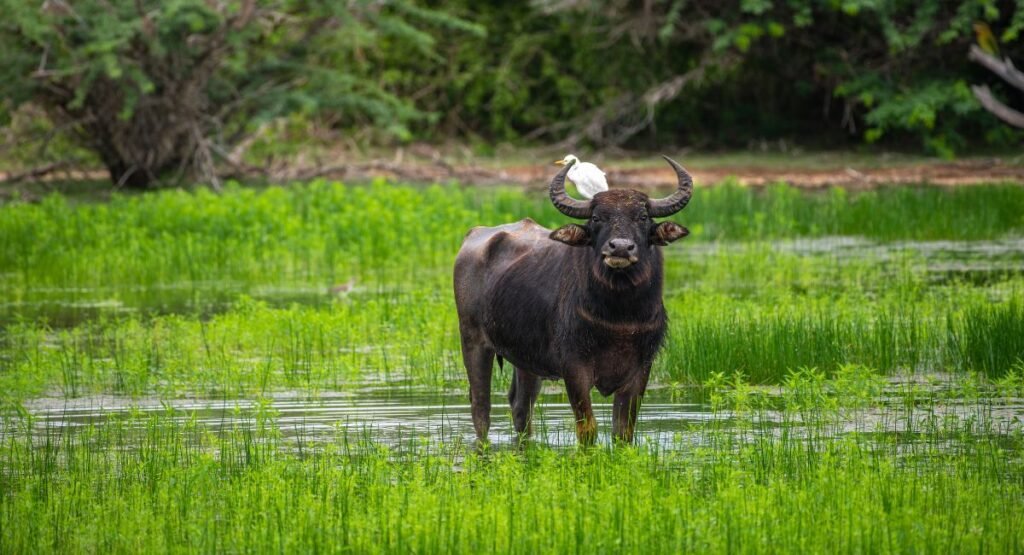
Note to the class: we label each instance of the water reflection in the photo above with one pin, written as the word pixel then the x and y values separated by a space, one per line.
pixel 389 419
pixel 394 417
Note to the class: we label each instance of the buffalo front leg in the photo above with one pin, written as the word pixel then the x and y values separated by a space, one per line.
pixel 626 408
pixel 579 399
pixel 479 361
pixel 521 397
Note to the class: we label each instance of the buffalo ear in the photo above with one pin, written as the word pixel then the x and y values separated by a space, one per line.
pixel 571 234
pixel 666 232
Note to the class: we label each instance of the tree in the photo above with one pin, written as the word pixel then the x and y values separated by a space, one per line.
pixel 165 88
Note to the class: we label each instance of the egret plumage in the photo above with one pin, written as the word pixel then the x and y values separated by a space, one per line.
pixel 588 178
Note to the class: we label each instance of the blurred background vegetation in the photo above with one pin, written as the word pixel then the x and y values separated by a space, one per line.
pixel 197 89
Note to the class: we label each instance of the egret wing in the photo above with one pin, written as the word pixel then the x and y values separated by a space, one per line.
pixel 590 180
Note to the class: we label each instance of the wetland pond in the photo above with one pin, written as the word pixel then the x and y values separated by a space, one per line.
pixel 394 411
pixel 397 415
pixel 279 370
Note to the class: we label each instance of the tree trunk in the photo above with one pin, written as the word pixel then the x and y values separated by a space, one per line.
pixel 158 140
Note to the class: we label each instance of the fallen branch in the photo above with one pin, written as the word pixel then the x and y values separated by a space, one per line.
pixel 35 173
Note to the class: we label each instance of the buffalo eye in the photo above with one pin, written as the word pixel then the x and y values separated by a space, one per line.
pixel 595 218
pixel 642 217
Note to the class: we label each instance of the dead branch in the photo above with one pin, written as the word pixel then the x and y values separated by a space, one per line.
pixel 618 120
pixel 997 108
pixel 1003 68
pixel 202 159
pixel 244 14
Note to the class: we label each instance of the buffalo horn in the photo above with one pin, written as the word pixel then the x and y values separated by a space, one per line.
pixel 673 203
pixel 563 202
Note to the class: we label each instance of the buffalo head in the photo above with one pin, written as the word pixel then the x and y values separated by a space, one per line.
pixel 620 224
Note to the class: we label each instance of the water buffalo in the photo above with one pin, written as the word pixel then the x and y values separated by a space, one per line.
pixel 581 303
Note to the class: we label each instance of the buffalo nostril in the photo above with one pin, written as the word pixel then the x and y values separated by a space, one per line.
pixel 621 245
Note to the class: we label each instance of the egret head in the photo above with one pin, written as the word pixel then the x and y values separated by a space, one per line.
pixel 569 159
pixel 619 223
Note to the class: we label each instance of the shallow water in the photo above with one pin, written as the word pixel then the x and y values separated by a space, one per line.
pixel 972 261
pixel 397 417
pixel 389 418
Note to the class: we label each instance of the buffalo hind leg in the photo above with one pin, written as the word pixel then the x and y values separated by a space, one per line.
pixel 479 361
pixel 521 397
pixel 579 398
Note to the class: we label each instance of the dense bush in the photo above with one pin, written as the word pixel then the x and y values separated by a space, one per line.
pixel 162 87
pixel 710 73
pixel 159 87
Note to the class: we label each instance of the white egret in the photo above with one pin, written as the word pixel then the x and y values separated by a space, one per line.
pixel 588 178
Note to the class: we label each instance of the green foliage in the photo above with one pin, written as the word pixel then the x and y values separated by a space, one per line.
pixel 31 139
pixel 597 72
pixel 153 87
pixel 876 71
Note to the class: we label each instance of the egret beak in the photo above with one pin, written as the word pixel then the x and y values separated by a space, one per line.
pixel 559 162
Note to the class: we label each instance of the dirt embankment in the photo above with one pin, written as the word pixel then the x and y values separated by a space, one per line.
pixel 970 172
pixel 959 173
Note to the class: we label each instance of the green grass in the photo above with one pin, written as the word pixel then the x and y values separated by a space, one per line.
pixel 990 337
pixel 157 484
pixel 253 348
pixel 897 213
pixel 228 295
pixel 327 233
pixel 192 294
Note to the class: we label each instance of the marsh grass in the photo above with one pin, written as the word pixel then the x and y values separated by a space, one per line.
pixel 322 286
pixel 137 248
pixel 745 483
pixel 254 348
pixel 317 286
pixel 898 213
pixel 766 344
pixel 989 338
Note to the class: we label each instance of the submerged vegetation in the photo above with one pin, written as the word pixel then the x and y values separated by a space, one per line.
pixel 856 360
